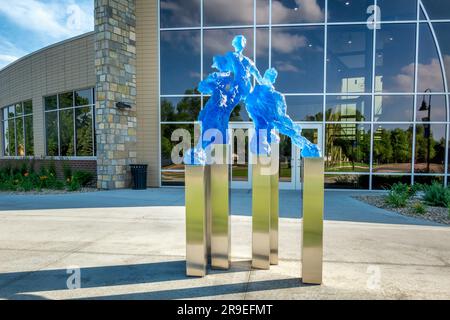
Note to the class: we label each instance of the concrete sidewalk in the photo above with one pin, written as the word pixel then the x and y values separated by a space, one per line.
pixel 138 252
pixel 339 205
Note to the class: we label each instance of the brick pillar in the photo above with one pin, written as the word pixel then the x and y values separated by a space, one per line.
pixel 115 64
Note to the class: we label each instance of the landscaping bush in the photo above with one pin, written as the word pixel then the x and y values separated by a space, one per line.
pixel 399 195
pixel 419 208
pixel 436 195
pixel 84 178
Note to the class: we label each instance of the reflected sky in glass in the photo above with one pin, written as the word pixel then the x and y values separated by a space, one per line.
pixel 443 36
pixel 305 108
pixel 394 108
pixel 397 10
pixel 227 13
pixel 179 13
pixel 298 11
pixel 437 9
pixel 348 10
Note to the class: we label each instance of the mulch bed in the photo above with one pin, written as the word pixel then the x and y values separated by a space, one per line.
pixel 435 214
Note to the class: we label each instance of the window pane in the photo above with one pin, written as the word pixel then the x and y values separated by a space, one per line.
pixel 51 103
pixel 348 10
pixel 437 9
pixel 381 182
pixel 239 168
pixel 429 68
pixel 396 47
pixel 20 139
pixel 297 54
pixel 19 109
pixel 11 112
pixel 347 148
pixel 395 10
pixel 285 163
pixel 5 113
pixel 5 138
pixel 83 97
pixel 11 138
pixel 262 49
pixel 66 133
pixel 239 113
pixel 83 118
pixel 430 148
pixel 349 181
pixel 428 179
pixel 66 100
pixel 167 144
pixel 262 11
pixel 228 13
pixel 180 109
pixel 443 36
pixel 28 107
pixel 394 108
pixel 180 61
pixel 169 178
pixel 51 125
pixel 300 11
pixel 392 148
pixel 29 139
pixel 218 42
pixel 348 108
pixel 349 59
pixel 180 13
pixel 305 108
pixel 432 106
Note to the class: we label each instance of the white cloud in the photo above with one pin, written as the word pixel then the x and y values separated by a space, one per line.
pixel 49 18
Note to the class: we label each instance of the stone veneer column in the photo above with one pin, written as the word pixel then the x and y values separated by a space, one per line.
pixel 115 64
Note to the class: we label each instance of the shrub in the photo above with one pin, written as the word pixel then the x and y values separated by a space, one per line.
pixel 84 178
pixel 397 200
pixel 437 195
pixel 419 208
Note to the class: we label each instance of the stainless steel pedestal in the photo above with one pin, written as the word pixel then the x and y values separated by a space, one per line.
pixel 312 173
pixel 274 205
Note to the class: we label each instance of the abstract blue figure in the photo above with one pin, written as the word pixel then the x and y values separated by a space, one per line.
pixel 267 108
pixel 232 84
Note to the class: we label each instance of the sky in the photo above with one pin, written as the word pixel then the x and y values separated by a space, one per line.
pixel 29 25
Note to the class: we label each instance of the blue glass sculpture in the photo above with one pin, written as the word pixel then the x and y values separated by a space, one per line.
pixel 232 84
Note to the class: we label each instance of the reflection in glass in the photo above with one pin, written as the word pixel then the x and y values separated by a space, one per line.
pixel 394 108
pixel 83 97
pixel 5 127
pixel 239 170
pixel 347 148
pixel 180 13
pixel 348 108
pixel 51 127
pixel 305 108
pixel 29 139
pixel 227 13
pixel 395 58
pixel 346 181
pixel 437 9
pixel 19 109
pixel 170 178
pixel 180 61
pixel 429 68
pixel 384 182
pixel 28 107
pixel 83 123
pixel 262 11
pixel 51 103
pixel 398 10
pixel 11 137
pixel 392 148
pixel 218 42
pixel 431 108
pixel 67 138
pixel 20 138
pixel 428 179
pixel 262 49
pixel 443 36
pixel 348 10
pixel 430 148
pixel 349 59
pixel 167 144
pixel 65 100
pixel 299 11
pixel 180 109
pixel 297 54
pixel 240 113
pixel 285 164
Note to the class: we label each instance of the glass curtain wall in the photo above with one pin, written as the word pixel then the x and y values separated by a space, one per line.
pixel 374 73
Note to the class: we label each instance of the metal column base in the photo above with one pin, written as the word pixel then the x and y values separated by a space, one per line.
pixel 313 203
pixel 274 206
pixel 196 180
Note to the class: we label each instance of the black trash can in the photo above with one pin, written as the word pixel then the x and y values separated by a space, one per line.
pixel 139 176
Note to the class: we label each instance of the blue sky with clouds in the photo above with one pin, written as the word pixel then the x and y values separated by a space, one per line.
pixel 29 25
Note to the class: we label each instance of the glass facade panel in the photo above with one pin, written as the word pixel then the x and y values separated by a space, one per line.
pixel 51 103
pixel 346 181
pixel 262 12
pixel 29 139
pixel 180 13
pixel 297 54
pixel 65 100
pixel 443 35
pixel 430 148
pixel 84 137
pixel 227 13
pixel 172 178
pixel 180 109
pixel 347 148
pixel 348 108
pixel 11 137
pixel 17 121
pixel 395 58
pixel 66 129
pixel 51 126
pixel 305 108
pixel 167 145
pixel 392 148
pixel 397 10
pixel 83 97
pixel 348 10
pixel 20 138
pixel 349 59
pixel 28 107
pixel 180 61
pixel 431 108
pixel 384 182
pixel 394 108
pixel 299 11
pixel 437 9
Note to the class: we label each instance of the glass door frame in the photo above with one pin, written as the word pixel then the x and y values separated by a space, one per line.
pixel 249 127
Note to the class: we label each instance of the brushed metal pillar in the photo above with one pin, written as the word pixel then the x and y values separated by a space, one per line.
pixel 274 206
pixel 196 180
pixel 312 173
pixel 220 208
pixel 261 214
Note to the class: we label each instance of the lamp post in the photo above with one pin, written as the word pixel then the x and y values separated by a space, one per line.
pixel 427 107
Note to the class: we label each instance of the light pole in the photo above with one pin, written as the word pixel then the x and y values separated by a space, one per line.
pixel 427 126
